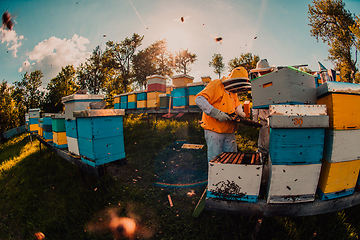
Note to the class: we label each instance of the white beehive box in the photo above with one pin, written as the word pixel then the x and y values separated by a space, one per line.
pixel 341 145
pixel 293 183
pixel 73 145
pixel 235 181
pixel 287 85
pixel 156 79
pixel 78 102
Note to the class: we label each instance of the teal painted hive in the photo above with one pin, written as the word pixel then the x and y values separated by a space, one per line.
pixel 100 135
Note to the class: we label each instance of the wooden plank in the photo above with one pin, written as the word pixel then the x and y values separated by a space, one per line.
pixel 282 209
pixel 98 171
pixel 200 206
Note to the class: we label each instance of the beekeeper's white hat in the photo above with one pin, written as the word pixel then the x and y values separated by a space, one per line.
pixel 262 65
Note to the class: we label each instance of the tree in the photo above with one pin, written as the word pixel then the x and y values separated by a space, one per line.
pixel 182 59
pixel 247 60
pixel 27 91
pixel 60 86
pixel 120 58
pixel 330 21
pixel 92 75
pixel 10 115
pixel 217 63
pixel 152 60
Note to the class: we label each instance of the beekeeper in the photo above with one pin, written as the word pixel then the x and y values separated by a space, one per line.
pixel 216 104
pixel 262 115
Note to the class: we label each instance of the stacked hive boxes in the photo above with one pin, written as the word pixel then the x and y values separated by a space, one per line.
pixel 341 162
pixel 59 130
pixel 76 102
pixel 132 99
pixel 40 124
pixel 235 176
pixel 296 150
pixel 100 135
pixel 34 115
pixel 180 93
pixel 194 88
pixel 47 127
pixel 141 100
pixel 156 85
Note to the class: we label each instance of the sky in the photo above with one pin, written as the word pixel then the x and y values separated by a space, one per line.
pixel 49 34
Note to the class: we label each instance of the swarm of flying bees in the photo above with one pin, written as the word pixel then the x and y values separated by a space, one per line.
pixel 6 20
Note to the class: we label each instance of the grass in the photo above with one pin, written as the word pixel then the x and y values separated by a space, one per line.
pixel 40 191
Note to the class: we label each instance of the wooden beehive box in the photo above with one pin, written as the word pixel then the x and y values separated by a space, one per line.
pixel 34 113
pixel 100 135
pixel 78 102
pixel 164 100
pixel 141 104
pixel 297 133
pixel 59 139
pixel 341 145
pixel 72 136
pixel 181 80
pixel 206 79
pixel 195 88
pixel 153 99
pixel 140 96
pixel 180 97
pixel 156 79
pixel 47 127
pixel 338 179
pixel 287 85
pixel 235 177
pixel 292 183
pixel 340 99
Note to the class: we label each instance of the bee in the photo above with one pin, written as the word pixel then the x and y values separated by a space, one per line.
pixel 6 20
pixel 218 39
pixel 182 19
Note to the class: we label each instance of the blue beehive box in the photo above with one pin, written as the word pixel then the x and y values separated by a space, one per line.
pixel 100 135
pixel 123 105
pixel 180 97
pixel 116 105
pixel 131 105
pixel 71 130
pixel 297 133
pixel 141 96
pixel 193 90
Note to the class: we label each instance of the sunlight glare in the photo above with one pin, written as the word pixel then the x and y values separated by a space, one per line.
pixel 177 38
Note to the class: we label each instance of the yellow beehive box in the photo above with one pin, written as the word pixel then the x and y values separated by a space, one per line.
pixel 206 79
pixel 40 131
pixel 181 80
pixel 141 104
pixel 154 95
pixel 59 138
pixel 34 127
pixel 342 110
pixel 169 89
pixel 192 100
pixel 117 100
pixel 338 179
pixel 132 97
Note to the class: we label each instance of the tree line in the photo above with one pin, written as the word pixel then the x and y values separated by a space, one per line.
pixel 123 66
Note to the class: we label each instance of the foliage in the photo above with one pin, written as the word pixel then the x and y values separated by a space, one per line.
pixel 305 69
pixel 247 60
pixel 217 63
pixel 10 115
pixel 92 74
pixel 182 59
pixel 60 86
pixel 27 91
pixel 150 61
pixel 330 21
pixel 120 59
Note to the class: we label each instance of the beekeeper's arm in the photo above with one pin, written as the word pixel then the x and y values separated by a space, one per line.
pixel 208 109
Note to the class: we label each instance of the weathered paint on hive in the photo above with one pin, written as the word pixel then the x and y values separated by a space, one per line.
pixel 342 110
pixel 292 183
pixel 296 146
pixel 232 181
pixel 338 176
pixel 286 85
pixel 341 145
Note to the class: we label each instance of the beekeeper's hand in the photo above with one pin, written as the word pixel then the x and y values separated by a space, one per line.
pixel 239 111
pixel 219 115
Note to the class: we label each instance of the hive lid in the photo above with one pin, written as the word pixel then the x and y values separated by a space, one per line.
pixel 99 112
pixel 57 115
pixel 298 110
pixel 81 97
pixel 338 87
pixel 34 110
pixel 196 84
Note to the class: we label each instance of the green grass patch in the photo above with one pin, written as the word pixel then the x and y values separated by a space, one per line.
pixel 43 192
